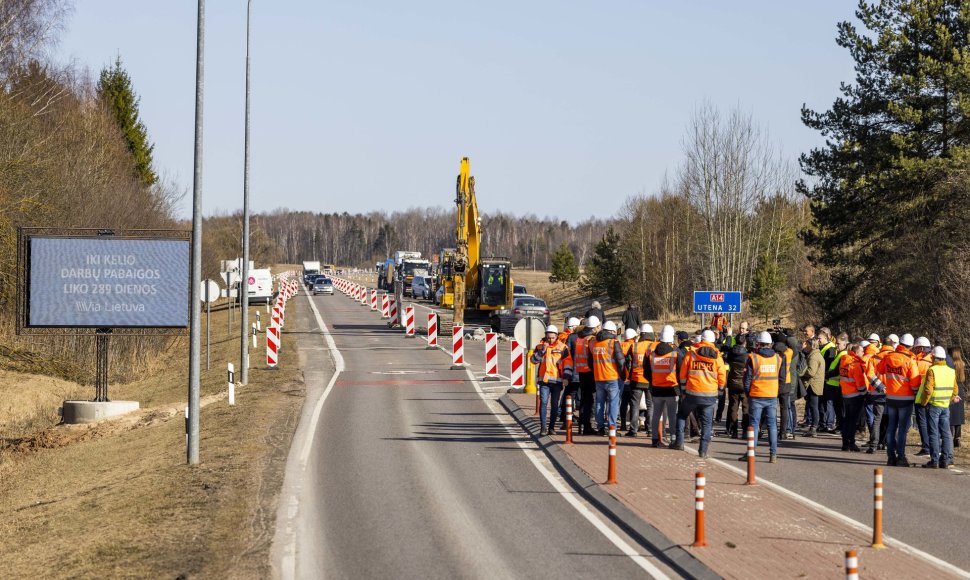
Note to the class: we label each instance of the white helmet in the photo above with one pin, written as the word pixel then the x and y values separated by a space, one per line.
pixel 552 328
pixel 708 336
pixel 907 340
pixel 864 343
pixel 874 337
pixel 939 352
pixel 892 339
pixel 592 322
pixel 646 327
pixel 630 333
pixel 572 323
pixel 765 338
pixel 923 341
pixel 608 326
pixel 667 334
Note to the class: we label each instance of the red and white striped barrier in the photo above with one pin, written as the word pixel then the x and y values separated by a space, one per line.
pixel 458 346
pixel 363 296
pixel 373 298
pixel 272 345
pixel 432 330
pixel 518 365
pixel 491 356
pixel 409 321
pixel 385 306
pixel 392 310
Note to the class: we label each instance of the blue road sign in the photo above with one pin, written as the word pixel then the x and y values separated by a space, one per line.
pixel 716 301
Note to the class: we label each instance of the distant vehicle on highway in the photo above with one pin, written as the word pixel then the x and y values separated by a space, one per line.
pixel 519 289
pixel 322 285
pixel 420 287
pixel 522 306
pixel 439 294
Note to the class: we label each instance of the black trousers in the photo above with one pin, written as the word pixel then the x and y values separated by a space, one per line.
pixel 587 397
pixel 737 401
pixel 853 408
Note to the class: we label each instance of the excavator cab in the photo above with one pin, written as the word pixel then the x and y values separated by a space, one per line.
pixel 496 284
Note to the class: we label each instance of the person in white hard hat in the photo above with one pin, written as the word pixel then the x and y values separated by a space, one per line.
pixel 553 371
pixel 662 369
pixel 702 375
pixel 629 341
pixel 924 359
pixel 937 391
pixel 876 400
pixel 639 381
pixel 578 344
pixel 608 364
pixel 763 374
pixel 571 389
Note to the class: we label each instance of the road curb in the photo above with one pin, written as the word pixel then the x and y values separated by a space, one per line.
pixel 645 534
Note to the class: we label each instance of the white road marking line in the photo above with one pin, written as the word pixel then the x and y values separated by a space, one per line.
pixel 338 361
pixel 560 486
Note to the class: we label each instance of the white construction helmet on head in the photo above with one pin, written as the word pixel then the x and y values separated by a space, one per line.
pixel 707 336
pixel 892 339
pixel 907 340
pixel 592 322
pixel 939 352
pixel 572 323
pixel 552 328
pixel 630 333
pixel 667 334
pixel 864 343
pixel 646 328
pixel 609 326
pixel 874 337
pixel 765 338
pixel 923 342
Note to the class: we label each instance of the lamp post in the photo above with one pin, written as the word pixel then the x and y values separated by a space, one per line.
pixel 244 281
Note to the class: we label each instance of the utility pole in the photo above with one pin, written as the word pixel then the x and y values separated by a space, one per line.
pixel 195 345
pixel 244 329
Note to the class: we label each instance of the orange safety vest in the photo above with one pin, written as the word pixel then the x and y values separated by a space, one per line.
pixel 877 357
pixel 702 375
pixel 552 363
pixel 899 374
pixel 581 356
pixel 923 363
pixel 642 349
pixel 852 376
pixel 626 345
pixel 563 335
pixel 663 369
pixel 764 380
pixel 604 367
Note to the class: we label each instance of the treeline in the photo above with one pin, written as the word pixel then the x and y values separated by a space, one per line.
pixel 361 240
pixel 66 160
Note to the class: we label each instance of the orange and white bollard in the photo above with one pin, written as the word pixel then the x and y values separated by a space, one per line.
pixel 538 400
pixel 569 420
pixel 611 468
pixel 751 478
pixel 877 510
pixel 851 565
pixel 699 483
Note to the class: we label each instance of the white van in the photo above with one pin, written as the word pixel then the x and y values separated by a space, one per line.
pixel 260 286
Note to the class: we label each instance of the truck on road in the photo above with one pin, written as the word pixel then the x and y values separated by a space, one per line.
pixel 310 269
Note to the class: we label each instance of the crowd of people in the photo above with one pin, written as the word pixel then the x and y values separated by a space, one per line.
pixel 867 387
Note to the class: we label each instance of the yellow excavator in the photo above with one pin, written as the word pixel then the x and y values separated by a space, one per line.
pixel 481 286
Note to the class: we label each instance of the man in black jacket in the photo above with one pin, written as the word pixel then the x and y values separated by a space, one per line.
pixel 736 357
pixel 631 317
pixel 596 310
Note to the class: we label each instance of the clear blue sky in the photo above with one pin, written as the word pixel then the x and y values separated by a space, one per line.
pixel 565 107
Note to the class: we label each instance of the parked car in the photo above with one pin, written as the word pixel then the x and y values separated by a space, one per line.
pixel 322 285
pixel 522 306
pixel 420 287
pixel 519 289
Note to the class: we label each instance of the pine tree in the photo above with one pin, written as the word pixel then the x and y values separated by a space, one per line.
pixel 605 273
pixel 564 266
pixel 883 211
pixel 116 93
pixel 765 294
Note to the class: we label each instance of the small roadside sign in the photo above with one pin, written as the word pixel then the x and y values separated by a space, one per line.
pixel 712 301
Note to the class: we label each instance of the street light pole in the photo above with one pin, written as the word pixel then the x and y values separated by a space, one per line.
pixel 195 344
pixel 244 299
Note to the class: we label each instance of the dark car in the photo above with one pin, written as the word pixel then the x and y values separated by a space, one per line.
pixel 519 289
pixel 522 307
pixel 322 285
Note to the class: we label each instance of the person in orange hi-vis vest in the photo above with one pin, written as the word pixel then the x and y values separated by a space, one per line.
pixel 855 383
pixel 875 400
pixel 629 342
pixel 639 382
pixel 718 323
pixel 572 389
pixel 606 357
pixel 554 370
pixel 703 375
pixel 900 377
pixel 763 374
pixel 662 368
pixel 578 344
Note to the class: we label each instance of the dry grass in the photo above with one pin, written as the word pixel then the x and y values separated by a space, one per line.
pixel 116 499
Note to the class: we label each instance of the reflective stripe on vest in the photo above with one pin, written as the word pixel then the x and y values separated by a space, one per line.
pixel 896 373
pixel 834 381
pixel 944 379
pixel 604 367
pixel 581 356
pixel 764 379
pixel 640 352
pixel 701 376
pixel 851 377
pixel 663 369
pixel 549 371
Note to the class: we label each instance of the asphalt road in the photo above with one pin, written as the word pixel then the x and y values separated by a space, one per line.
pixel 928 509
pixel 412 474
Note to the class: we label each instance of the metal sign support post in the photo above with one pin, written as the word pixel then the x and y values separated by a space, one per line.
pixel 101 365
pixel 208 333
pixel 244 279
